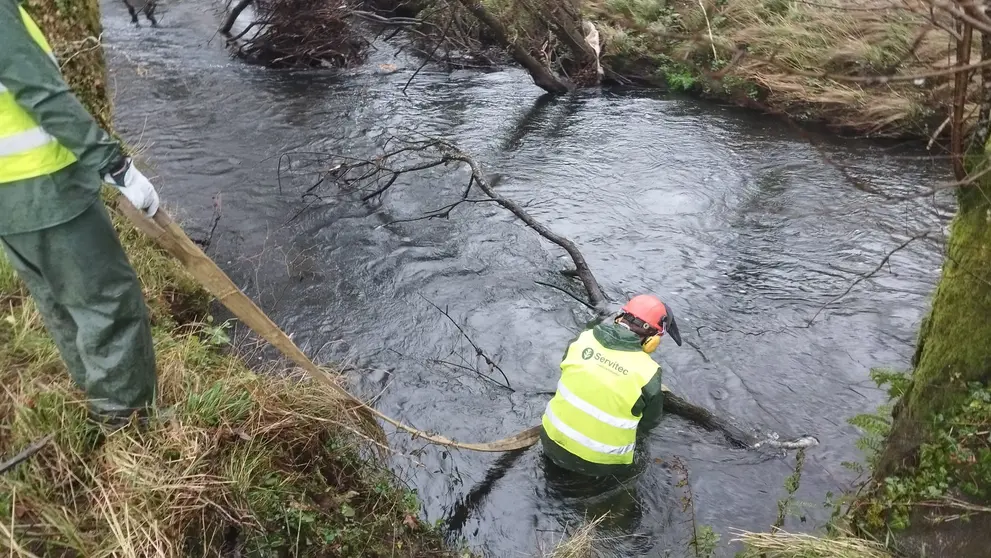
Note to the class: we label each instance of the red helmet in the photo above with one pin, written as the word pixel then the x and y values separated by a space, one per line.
pixel 650 310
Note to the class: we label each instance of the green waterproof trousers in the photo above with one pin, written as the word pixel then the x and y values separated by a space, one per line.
pixel 91 302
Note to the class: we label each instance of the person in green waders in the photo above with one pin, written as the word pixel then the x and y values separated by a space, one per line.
pixel 610 389
pixel 609 392
pixel 56 230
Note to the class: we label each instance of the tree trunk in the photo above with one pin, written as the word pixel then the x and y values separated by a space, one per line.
pixel 542 76
pixel 232 17
pixel 982 131
pixel 954 350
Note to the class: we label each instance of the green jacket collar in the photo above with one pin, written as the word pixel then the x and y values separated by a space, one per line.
pixel 616 337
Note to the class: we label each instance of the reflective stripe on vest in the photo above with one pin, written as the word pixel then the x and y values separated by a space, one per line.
pixel 26 149
pixel 590 415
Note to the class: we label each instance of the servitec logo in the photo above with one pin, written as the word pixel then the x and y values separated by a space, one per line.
pixel 588 354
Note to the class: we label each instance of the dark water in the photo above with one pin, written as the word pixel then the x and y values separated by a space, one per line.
pixel 736 220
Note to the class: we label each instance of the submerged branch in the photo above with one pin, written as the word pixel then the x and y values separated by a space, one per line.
pixel 478 350
pixel 867 275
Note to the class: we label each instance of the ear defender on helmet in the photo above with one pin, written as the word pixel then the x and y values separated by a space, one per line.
pixel 650 344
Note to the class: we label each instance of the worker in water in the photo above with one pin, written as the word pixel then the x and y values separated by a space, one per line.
pixel 610 388
pixel 56 230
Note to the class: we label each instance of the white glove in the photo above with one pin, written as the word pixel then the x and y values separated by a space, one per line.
pixel 135 187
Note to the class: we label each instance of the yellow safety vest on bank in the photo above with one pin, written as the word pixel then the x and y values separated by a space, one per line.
pixel 590 415
pixel 26 149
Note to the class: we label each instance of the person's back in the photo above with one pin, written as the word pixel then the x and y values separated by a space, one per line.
pixel 610 389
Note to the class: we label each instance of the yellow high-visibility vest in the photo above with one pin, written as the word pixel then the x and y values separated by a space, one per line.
pixel 591 415
pixel 26 149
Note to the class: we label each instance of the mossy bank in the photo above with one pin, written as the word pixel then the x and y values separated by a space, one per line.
pixel 249 463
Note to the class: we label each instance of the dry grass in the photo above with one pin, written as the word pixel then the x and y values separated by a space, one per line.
pixel 579 544
pixel 794 545
pixel 248 461
pixel 782 37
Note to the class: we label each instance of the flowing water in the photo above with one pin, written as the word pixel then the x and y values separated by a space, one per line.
pixel 733 218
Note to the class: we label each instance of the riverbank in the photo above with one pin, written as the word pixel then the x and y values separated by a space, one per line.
pixel 793 58
pixel 249 462
pixel 677 43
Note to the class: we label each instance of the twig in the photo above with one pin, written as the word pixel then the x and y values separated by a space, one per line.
pixel 26 453
pixel 868 275
pixel 712 41
pixel 478 350
pixel 98 43
pixel 397 173
pixel 441 213
pixel 470 369
pixel 697 349
pixel 217 212
pixel 587 304
pixel 954 503
pixel 402 21
pixel 440 41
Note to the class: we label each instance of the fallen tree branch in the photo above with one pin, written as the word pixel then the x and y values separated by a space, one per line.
pixel 232 17
pixel 541 74
pixel 595 294
pixel 369 169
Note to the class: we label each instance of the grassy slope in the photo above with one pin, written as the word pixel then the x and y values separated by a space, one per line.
pixel 250 460
pixel 669 41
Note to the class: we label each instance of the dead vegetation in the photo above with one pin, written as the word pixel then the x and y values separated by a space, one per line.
pixel 786 56
pixel 824 61
pixel 294 33
pixel 245 462
pixel 580 543
pixel 781 544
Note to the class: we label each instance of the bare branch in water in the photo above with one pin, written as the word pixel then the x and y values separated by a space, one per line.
pixel 478 350
pixel 868 275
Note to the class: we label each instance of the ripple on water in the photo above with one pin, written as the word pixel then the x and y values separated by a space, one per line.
pixel 739 222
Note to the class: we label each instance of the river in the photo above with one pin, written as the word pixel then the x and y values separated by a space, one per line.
pixel 735 219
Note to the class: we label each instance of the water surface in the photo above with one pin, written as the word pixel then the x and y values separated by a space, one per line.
pixel 733 218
